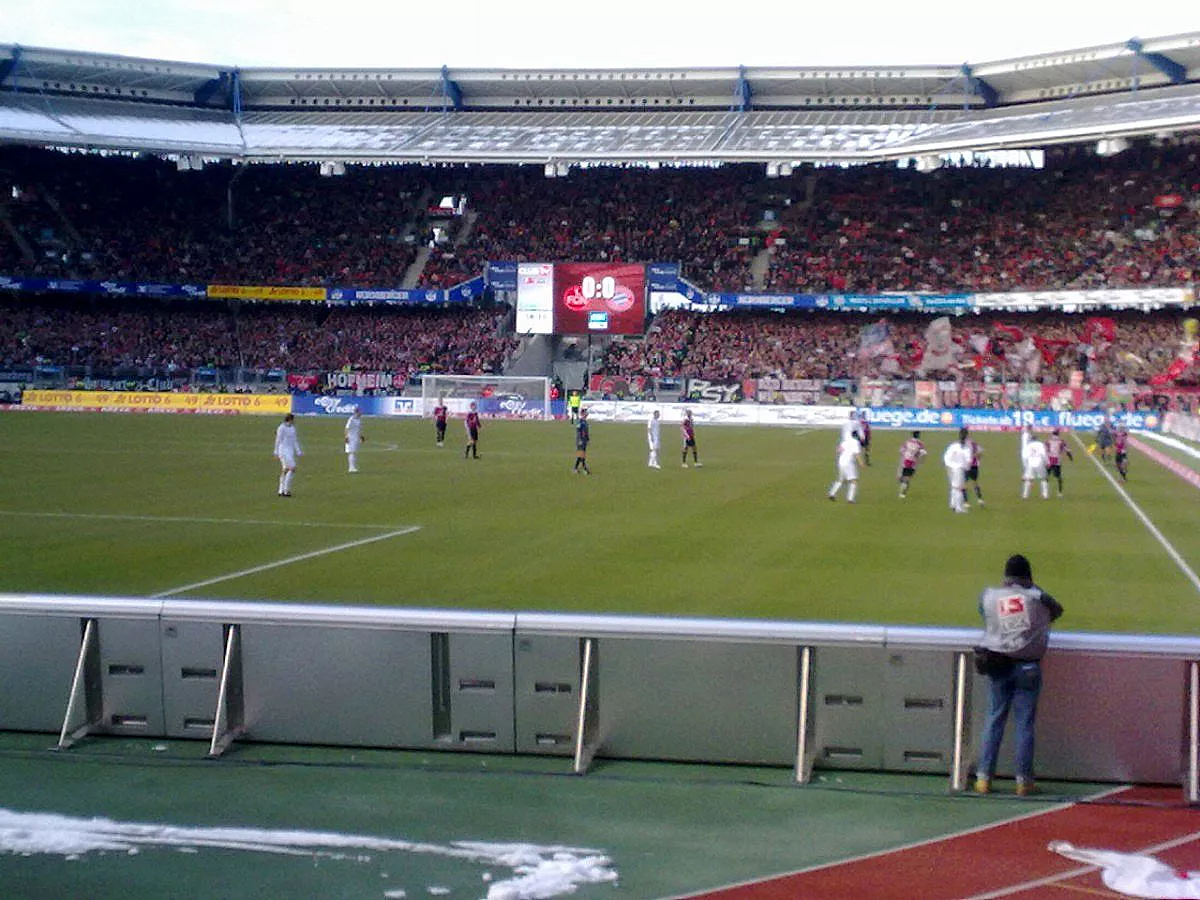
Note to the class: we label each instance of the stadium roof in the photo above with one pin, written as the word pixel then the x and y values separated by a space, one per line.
pixel 449 115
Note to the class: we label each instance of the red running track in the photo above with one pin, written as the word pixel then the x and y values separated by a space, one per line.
pixel 1008 859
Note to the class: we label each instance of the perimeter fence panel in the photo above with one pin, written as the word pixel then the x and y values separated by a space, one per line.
pixel 1115 708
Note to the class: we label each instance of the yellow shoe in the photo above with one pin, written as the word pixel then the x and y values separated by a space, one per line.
pixel 1025 788
pixel 983 785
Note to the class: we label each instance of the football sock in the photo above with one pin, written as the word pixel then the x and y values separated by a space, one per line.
pixel 852 491
pixel 287 482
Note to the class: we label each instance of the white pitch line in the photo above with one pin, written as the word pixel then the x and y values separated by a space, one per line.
pixel 184 520
pixel 287 562
pixel 1137 511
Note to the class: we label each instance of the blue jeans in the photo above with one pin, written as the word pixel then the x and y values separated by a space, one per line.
pixel 1017 690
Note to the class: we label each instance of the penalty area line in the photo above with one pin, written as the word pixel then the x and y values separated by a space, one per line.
pixel 1137 511
pixel 300 557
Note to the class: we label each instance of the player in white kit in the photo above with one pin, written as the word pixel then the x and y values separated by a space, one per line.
pixel 847 469
pixel 652 438
pixel 957 460
pixel 354 438
pixel 1034 459
pixel 851 427
pixel 287 451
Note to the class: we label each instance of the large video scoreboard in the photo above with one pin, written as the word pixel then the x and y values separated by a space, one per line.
pixel 581 298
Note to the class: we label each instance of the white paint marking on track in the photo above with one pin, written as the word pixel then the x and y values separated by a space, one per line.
pixel 186 520
pixel 253 570
pixel 916 845
pixel 1171 442
pixel 1169 462
pixel 1137 511
pixel 1081 871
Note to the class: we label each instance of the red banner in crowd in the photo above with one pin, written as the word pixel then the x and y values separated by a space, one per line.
pixel 1010 331
pixel 618 385
pixel 1050 348
pixel 303 382
pixel 1100 328
pixel 1075 396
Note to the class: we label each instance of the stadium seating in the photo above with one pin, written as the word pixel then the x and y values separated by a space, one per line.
pixel 102 336
pixel 1084 221
pixel 733 346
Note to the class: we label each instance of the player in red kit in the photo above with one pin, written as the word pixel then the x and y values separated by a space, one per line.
pixel 440 412
pixel 688 429
pixel 864 437
pixel 911 453
pixel 972 473
pixel 1120 444
pixel 1056 449
pixel 472 426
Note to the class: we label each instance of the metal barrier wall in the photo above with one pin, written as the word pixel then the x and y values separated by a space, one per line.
pixel 1115 708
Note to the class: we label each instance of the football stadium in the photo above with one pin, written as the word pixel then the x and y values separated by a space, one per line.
pixel 518 484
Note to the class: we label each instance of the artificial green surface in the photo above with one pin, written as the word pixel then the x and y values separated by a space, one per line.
pixel 140 505
pixel 668 830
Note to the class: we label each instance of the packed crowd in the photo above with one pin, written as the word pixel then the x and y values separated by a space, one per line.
pixel 1047 347
pixel 1082 222
pixel 132 219
pixel 108 335
pixel 1088 222
pixel 693 216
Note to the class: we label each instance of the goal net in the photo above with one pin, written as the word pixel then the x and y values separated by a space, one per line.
pixel 498 396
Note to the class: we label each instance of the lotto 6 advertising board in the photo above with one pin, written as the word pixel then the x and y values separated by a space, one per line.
pixel 604 298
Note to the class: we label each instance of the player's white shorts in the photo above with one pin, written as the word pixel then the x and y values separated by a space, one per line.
pixel 848 471
pixel 287 460
pixel 1035 473
pixel 352 445
pixel 958 478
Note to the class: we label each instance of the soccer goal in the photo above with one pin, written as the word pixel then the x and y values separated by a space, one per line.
pixel 502 396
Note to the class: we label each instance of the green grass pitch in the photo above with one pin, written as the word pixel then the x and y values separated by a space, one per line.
pixel 127 505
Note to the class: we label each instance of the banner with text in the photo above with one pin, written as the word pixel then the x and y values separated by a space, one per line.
pixel 309 405
pixel 108 288
pixel 266 292
pixel 879 417
pixel 702 390
pixel 150 402
pixel 1002 419
pixel 365 381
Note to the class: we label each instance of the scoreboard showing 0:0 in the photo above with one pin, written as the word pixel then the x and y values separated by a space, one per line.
pixel 581 298
pixel 606 288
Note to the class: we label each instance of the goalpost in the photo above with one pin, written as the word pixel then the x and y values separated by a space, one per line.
pixel 499 396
